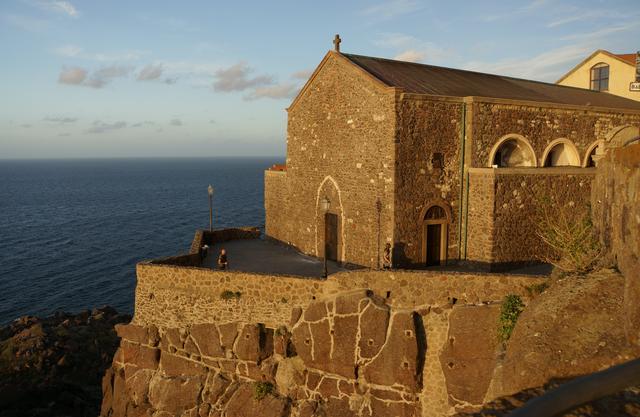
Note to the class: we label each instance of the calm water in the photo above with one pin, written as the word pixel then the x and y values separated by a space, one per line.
pixel 71 231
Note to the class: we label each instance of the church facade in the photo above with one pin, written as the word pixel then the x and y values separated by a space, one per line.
pixel 443 165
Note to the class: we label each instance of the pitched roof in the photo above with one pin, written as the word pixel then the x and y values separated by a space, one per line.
pixel 630 58
pixel 441 81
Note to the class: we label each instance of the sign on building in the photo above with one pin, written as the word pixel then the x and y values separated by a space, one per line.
pixel 634 86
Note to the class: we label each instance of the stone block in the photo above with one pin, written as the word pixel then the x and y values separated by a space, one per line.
pixel 244 403
pixel 141 356
pixel 374 322
pixel 174 395
pixel 173 365
pixel 207 338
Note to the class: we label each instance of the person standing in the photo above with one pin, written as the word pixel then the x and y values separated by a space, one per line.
pixel 223 262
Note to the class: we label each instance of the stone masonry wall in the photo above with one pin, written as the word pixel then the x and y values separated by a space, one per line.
pixel 340 143
pixel 371 343
pixel 616 203
pixel 276 205
pixel 426 126
pixel 540 124
pixel 518 194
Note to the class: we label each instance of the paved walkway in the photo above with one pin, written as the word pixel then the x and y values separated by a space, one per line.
pixel 263 256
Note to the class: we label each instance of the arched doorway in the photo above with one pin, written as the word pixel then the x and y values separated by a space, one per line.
pixel 435 228
pixel 561 152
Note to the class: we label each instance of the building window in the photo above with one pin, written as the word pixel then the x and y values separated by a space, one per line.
pixel 600 77
pixel 437 160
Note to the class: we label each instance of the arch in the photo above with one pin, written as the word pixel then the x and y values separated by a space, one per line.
pixel 561 152
pixel 513 150
pixel 619 135
pixel 591 150
pixel 340 211
pixel 434 222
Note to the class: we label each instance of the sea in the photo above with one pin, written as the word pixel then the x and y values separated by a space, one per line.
pixel 72 231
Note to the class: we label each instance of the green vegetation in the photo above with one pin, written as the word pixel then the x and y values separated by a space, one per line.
pixel 262 389
pixel 512 306
pixel 282 331
pixel 568 232
pixel 536 289
pixel 230 295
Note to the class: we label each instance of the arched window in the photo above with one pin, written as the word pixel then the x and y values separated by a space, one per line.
pixel 435 213
pixel 512 152
pixel 600 77
pixel 561 152
pixel 591 151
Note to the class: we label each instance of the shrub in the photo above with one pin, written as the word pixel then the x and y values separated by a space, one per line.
pixel 536 289
pixel 230 295
pixel 262 389
pixel 568 232
pixel 512 306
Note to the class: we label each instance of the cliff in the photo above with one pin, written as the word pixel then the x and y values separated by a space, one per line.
pixel 53 366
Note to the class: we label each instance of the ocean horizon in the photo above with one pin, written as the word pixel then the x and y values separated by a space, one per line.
pixel 72 229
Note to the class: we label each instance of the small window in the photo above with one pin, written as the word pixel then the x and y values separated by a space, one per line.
pixel 435 213
pixel 600 77
pixel 437 160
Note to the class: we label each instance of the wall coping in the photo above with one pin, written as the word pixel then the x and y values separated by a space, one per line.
pixel 568 170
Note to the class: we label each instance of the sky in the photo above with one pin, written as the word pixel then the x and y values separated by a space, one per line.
pixel 112 78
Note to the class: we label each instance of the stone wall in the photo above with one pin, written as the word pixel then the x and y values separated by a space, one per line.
pixel 427 126
pixel 340 144
pixel 616 202
pixel 276 205
pixel 541 124
pixel 361 343
pixel 505 203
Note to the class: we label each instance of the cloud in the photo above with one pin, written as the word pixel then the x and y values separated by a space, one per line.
pixel 61 120
pixel 97 79
pixel 24 22
pixel 601 33
pixel 278 91
pixel 64 7
pixel 302 75
pixel 150 72
pixel 547 66
pixel 145 123
pixel 72 76
pixel 411 55
pixel 521 11
pixel 236 78
pixel 390 9
pixel 74 51
pixel 412 49
pixel 176 122
pixel 99 126
pixel 68 51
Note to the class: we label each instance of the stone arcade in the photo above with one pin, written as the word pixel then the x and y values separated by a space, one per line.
pixel 445 165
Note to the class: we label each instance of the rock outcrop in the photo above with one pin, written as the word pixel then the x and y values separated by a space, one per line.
pixel 52 366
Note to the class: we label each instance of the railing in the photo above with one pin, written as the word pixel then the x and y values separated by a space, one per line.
pixel 582 390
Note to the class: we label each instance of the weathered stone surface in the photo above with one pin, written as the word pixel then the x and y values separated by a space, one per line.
pixel 469 356
pixel 321 339
pixel 301 339
pixel 133 333
pixel 336 408
pixel 350 303
pixel 393 409
pixel 141 356
pixel 328 387
pixel 290 375
pixel 250 343
pixel 216 385
pixel 316 311
pixel 207 338
pixel 228 334
pixel 243 403
pixel 171 339
pixel 174 395
pixel 173 365
pixel 138 387
pixel 374 322
pixel 400 360
pixel 345 330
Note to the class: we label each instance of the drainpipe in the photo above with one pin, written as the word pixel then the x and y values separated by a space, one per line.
pixel 462 156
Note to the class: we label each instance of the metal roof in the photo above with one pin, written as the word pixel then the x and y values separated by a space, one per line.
pixel 442 81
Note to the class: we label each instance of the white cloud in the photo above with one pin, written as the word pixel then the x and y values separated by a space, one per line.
pixel 601 33
pixel 302 75
pixel 278 91
pixel 68 51
pixel 150 72
pixel 236 78
pixel 547 66
pixel 391 9
pixel 64 7
pixel 411 55
pixel 99 126
pixel 410 48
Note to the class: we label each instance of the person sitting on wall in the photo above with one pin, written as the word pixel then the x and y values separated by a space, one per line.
pixel 386 258
pixel 223 263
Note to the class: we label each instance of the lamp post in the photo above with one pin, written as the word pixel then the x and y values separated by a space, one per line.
pixel 325 204
pixel 210 191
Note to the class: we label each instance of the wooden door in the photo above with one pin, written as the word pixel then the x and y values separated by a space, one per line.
pixel 331 236
pixel 434 237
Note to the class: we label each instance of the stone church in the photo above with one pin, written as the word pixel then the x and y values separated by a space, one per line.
pixel 442 164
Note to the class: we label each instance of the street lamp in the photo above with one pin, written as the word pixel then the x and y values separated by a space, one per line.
pixel 325 204
pixel 210 191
